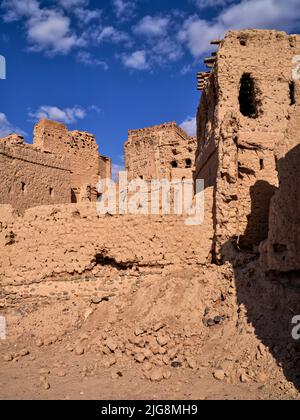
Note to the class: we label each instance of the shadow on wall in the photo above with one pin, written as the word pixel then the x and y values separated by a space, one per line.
pixel 270 303
pixel 258 220
pixel 271 298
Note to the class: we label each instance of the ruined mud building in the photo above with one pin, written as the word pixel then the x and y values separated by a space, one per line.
pixel 59 168
pixel 160 155
pixel 160 152
pixel 247 120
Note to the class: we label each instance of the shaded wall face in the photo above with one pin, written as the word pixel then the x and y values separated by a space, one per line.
pixel 206 153
pixel 160 153
pixel 251 116
pixel 281 251
pixel 81 150
pixel 105 170
pixel 31 178
pixel 207 124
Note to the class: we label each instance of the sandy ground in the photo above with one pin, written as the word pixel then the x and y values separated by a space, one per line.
pixel 185 336
pixel 22 380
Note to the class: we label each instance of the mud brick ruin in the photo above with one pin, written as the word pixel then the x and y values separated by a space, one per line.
pixel 161 152
pixel 145 294
pixel 59 168
pixel 246 124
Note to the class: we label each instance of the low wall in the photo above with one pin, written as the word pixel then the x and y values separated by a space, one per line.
pixel 50 242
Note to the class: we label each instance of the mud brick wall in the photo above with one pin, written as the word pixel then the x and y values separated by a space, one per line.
pixel 68 241
pixel 31 178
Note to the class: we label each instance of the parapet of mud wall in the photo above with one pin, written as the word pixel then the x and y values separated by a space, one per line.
pixel 31 178
pixel 243 118
pixel 73 240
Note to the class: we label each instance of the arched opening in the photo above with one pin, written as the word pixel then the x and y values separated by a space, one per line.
pixel 188 163
pixel 51 192
pixel 23 187
pixel 247 97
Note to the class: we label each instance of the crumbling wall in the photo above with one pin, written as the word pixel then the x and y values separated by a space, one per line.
pixel 30 177
pixel 160 152
pixel 73 240
pixel 80 148
pixel 243 117
pixel 12 140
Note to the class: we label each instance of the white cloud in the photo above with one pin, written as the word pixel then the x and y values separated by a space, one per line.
pixel 16 9
pixel 186 69
pixel 152 26
pixel 189 126
pixel 66 115
pixel 69 4
pixel 136 60
pixel 124 9
pixel 271 14
pixel 197 33
pixel 161 53
pixel 111 34
pixel 161 44
pixel 95 108
pixel 205 4
pixel 87 58
pixel 7 128
pixel 46 29
pixel 166 50
pixel 86 16
pixel 51 32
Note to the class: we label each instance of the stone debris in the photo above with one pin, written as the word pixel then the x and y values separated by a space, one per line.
pixel 79 350
pixel 8 357
pixel 219 375
pixel 44 383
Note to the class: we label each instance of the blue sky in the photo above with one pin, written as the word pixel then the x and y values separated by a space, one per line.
pixel 107 66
